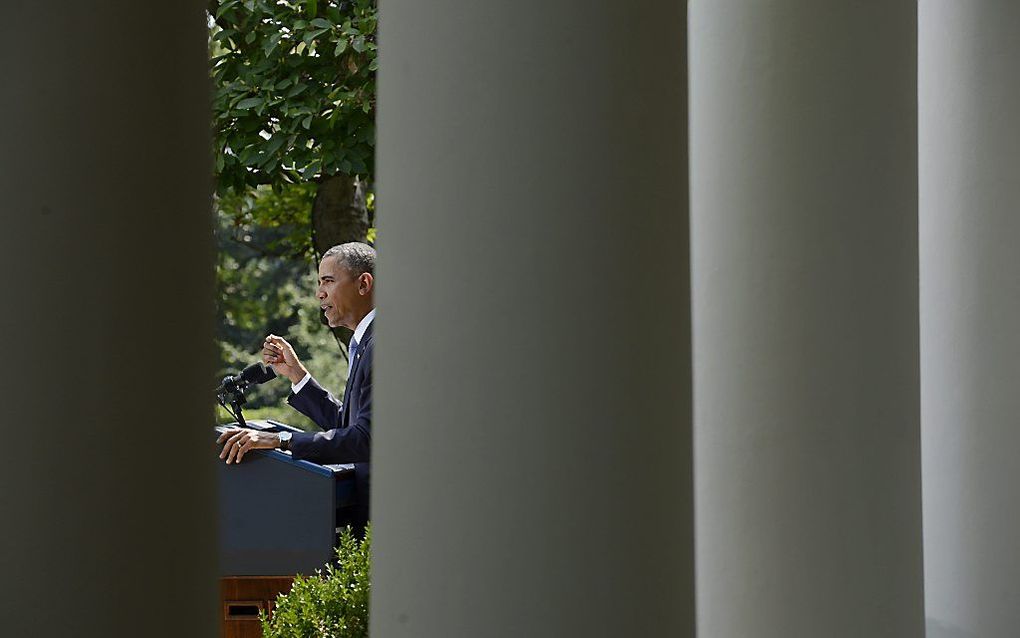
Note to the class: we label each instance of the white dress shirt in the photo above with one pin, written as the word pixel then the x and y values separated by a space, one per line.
pixel 359 332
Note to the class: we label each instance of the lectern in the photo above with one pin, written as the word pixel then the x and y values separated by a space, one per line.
pixel 277 517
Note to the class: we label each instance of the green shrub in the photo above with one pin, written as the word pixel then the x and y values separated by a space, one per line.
pixel 333 604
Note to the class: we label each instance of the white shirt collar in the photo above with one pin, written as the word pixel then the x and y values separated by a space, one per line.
pixel 363 325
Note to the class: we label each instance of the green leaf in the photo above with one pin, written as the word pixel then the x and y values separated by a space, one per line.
pixel 271 43
pixel 297 89
pixel 307 122
pixel 341 46
pixel 247 103
pixel 269 162
pixel 274 144
pixel 226 6
pixel 313 7
pixel 322 23
pixel 359 44
pixel 311 35
pixel 308 172
pixel 250 37
pixel 248 156
pixel 374 64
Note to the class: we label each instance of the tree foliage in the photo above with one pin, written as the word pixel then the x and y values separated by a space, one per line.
pixel 294 90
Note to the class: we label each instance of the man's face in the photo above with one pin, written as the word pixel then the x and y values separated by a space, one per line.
pixel 342 296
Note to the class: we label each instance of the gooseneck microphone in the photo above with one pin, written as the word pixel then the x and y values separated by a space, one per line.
pixel 258 373
pixel 255 374
pixel 232 388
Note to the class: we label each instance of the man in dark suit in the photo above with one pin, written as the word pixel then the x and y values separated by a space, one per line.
pixel 346 296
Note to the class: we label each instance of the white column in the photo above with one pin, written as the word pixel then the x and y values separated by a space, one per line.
pixel 532 468
pixel 106 292
pixel 804 277
pixel 969 97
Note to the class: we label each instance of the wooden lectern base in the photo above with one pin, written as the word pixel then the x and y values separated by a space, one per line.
pixel 243 597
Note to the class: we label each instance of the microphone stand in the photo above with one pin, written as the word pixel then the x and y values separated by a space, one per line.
pixel 235 391
pixel 237 403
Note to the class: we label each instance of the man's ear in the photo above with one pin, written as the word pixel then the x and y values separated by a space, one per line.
pixel 365 283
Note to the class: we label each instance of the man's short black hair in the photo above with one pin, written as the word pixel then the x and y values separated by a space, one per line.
pixel 356 257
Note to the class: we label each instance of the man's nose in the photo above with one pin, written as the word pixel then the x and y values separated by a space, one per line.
pixel 321 294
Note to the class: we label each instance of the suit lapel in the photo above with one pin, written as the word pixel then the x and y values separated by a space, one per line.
pixel 345 410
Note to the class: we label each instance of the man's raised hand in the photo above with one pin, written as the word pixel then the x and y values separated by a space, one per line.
pixel 279 354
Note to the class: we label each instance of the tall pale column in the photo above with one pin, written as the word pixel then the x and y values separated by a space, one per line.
pixel 106 482
pixel 532 468
pixel 804 259
pixel 969 97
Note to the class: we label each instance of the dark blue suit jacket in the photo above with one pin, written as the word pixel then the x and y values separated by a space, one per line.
pixel 347 424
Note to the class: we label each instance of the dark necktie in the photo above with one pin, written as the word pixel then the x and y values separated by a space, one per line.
pixel 352 352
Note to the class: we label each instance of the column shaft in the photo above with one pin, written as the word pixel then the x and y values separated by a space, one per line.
pixel 107 483
pixel 532 450
pixel 804 258
pixel 970 314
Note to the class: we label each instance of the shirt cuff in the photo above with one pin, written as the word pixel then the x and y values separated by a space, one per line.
pixel 295 388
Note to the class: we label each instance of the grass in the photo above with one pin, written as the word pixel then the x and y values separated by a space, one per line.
pixel 283 414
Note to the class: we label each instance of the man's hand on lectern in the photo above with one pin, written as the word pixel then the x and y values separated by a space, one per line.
pixel 279 354
pixel 238 441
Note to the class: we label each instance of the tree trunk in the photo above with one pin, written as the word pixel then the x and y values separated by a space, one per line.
pixel 339 213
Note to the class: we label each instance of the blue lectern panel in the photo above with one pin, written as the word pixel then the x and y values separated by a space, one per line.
pixel 278 516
